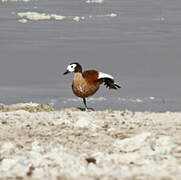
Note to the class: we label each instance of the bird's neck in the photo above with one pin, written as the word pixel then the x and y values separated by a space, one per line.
pixel 78 76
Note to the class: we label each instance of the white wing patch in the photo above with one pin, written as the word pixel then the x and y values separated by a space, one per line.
pixel 104 75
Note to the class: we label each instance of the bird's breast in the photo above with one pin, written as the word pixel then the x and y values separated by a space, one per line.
pixel 82 88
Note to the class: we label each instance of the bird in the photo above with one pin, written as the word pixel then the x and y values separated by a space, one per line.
pixel 86 83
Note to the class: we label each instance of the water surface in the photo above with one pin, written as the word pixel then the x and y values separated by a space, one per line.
pixel 140 47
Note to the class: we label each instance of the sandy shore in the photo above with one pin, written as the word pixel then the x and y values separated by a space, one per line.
pixel 70 144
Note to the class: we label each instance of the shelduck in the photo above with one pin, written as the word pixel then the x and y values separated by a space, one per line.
pixel 86 83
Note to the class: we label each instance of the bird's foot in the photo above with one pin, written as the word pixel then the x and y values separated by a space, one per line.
pixel 89 109
pixel 86 109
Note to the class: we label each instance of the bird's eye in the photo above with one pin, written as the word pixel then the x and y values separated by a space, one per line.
pixel 71 66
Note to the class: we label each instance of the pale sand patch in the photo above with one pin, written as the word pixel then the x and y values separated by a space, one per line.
pixel 70 144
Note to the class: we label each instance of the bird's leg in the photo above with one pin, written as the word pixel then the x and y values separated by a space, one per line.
pixel 86 108
pixel 84 100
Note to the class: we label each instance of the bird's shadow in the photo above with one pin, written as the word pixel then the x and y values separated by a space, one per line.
pixel 85 109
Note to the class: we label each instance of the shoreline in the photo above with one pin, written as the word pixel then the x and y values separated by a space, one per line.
pixel 70 144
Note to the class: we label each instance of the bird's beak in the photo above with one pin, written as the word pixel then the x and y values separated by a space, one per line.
pixel 66 72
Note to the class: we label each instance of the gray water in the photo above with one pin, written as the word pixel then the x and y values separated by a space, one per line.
pixel 140 47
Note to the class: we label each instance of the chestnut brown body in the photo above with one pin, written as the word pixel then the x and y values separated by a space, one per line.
pixel 85 84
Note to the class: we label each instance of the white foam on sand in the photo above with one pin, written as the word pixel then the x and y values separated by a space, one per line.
pixel 23 20
pixel 57 17
pixel 151 98
pixel 25 104
pixel 111 15
pixel 95 1
pixel 15 0
pixel 36 16
pixel 40 16
pixel 76 18
pixel 90 99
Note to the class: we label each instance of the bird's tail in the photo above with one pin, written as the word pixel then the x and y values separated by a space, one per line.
pixel 109 83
